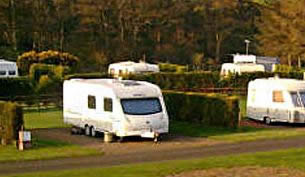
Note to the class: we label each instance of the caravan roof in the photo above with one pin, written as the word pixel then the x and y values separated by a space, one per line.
pixel 135 67
pixel 122 88
pixel 278 83
pixel 7 65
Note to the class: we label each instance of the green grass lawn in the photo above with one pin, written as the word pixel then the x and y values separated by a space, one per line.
pixel 42 148
pixel 293 158
pixel 233 135
pixel 49 118
pixel 45 149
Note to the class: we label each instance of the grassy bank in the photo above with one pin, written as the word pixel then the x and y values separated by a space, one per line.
pixel 49 118
pixel 241 134
pixel 293 158
pixel 44 149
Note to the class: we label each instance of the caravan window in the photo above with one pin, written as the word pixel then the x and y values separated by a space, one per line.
pixel 277 96
pixel 11 73
pixel 108 104
pixel 2 73
pixel 141 106
pixel 91 102
pixel 298 99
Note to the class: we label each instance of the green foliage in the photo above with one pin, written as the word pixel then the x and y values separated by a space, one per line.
pixel 53 71
pixel 11 87
pixel 168 67
pixel 287 69
pixel 87 76
pixel 207 110
pixel 180 80
pixel 47 78
pixel 50 57
pixel 11 120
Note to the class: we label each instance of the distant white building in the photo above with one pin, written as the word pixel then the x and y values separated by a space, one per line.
pixel 8 69
pixel 130 67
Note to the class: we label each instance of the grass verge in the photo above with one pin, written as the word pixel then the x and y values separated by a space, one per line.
pixel 293 158
pixel 241 134
pixel 48 118
pixel 45 149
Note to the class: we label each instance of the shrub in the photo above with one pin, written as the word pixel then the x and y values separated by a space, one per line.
pixel 195 80
pixel 168 67
pixel 52 71
pixel 11 87
pixel 11 120
pixel 87 76
pixel 25 60
pixel 180 80
pixel 208 110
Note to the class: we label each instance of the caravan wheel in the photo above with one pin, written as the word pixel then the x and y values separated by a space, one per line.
pixel 268 121
pixel 92 131
pixel 87 130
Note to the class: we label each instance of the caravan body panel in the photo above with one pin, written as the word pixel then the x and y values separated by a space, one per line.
pixel 281 100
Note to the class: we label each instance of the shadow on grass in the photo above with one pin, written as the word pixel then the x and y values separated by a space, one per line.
pixel 41 143
pixel 199 130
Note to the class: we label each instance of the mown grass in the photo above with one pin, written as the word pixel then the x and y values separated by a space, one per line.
pixel 45 149
pixel 292 158
pixel 241 134
pixel 49 118
pixel 52 118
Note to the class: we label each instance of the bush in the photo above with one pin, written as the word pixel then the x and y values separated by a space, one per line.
pixel 52 71
pixel 180 80
pixel 167 67
pixel 25 60
pixel 11 120
pixel 208 110
pixel 11 87
pixel 87 76
pixel 196 80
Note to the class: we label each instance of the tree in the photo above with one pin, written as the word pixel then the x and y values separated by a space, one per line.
pixel 282 30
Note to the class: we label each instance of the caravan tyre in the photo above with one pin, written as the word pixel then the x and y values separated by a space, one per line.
pixel 87 130
pixel 268 121
pixel 92 131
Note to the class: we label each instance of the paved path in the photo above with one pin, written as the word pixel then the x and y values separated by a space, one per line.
pixel 150 156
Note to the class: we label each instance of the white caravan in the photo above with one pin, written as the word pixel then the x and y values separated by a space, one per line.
pixel 130 67
pixel 8 69
pixel 120 107
pixel 276 100
pixel 240 68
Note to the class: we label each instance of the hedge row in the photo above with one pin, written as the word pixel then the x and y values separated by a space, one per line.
pixel 25 60
pixel 168 67
pixel 11 120
pixel 208 110
pixel 87 76
pixel 180 80
pixel 207 79
pixel 11 87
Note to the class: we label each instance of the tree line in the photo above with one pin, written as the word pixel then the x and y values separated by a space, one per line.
pixel 177 31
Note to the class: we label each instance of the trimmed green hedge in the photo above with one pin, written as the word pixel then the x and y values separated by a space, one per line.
pixel 53 71
pixel 180 80
pixel 168 67
pixel 87 76
pixel 209 110
pixel 206 79
pixel 11 87
pixel 11 120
